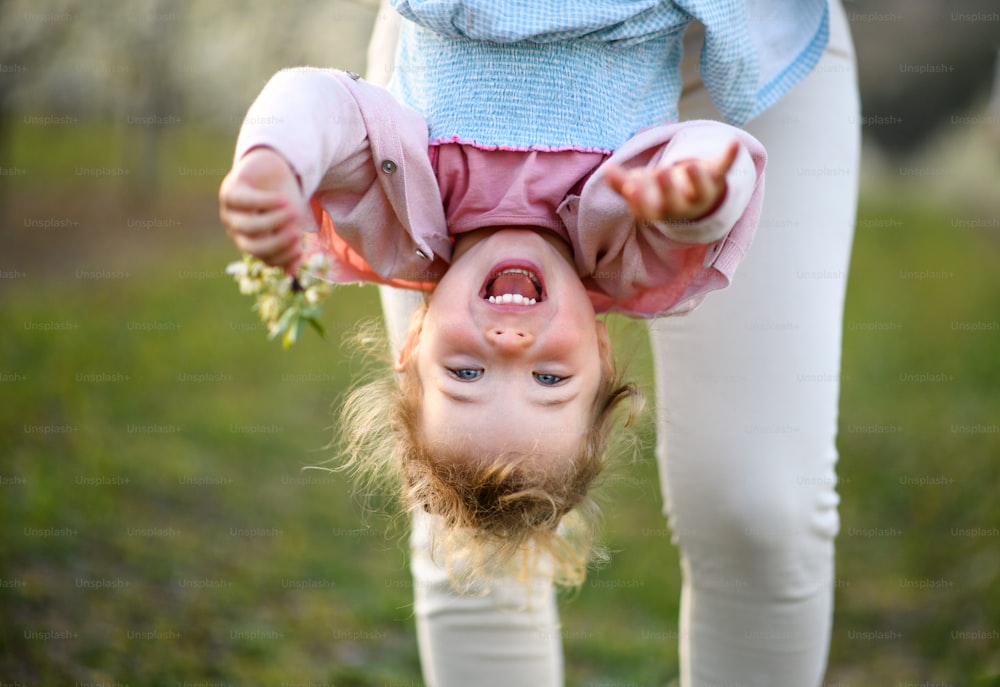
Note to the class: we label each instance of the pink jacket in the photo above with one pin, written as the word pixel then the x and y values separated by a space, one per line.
pixel 362 157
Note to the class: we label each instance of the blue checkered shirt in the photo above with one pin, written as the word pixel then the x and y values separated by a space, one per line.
pixel 589 74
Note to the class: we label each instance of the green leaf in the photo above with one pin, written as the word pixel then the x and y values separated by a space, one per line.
pixel 315 324
pixel 284 323
pixel 292 335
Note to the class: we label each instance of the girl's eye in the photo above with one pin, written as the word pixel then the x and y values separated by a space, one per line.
pixel 467 374
pixel 546 379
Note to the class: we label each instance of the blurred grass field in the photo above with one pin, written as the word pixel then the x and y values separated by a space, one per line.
pixel 158 527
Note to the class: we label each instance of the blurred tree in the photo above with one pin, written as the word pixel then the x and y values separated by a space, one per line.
pixel 149 66
pixel 28 32
pixel 146 63
pixel 154 91
pixel 920 63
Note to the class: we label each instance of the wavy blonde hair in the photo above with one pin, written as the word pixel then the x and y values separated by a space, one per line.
pixel 506 512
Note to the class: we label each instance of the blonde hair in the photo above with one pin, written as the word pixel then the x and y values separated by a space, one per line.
pixel 508 510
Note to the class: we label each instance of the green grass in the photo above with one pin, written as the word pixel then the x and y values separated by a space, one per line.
pixel 157 527
pixel 920 434
pixel 157 448
pixel 85 152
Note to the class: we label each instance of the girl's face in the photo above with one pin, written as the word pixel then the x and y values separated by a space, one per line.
pixel 500 373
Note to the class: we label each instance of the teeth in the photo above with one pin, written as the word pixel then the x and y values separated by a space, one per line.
pixel 516 297
pixel 526 273
pixel 512 298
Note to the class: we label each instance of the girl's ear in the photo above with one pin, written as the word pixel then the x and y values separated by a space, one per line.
pixel 409 347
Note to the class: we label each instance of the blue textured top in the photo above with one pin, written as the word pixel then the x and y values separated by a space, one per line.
pixel 589 74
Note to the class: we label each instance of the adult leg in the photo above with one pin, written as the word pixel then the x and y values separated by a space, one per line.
pixel 508 633
pixel 747 392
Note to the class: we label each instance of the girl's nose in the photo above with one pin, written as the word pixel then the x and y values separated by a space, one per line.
pixel 509 340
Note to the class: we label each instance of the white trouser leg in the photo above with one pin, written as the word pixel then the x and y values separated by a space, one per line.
pixel 501 632
pixel 747 392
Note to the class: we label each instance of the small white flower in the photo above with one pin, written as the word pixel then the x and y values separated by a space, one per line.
pixel 248 286
pixel 317 264
pixel 269 307
pixel 283 307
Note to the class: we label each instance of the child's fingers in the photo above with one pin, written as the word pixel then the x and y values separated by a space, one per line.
pixel 252 224
pixel 274 249
pixel 634 190
pixel 726 160
pixel 674 187
pixel 288 259
pixel 249 199
pixel 703 183
pixel 649 199
pixel 616 178
pixel 628 186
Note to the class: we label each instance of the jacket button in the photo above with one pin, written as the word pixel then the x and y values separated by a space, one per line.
pixel 388 166
pixel 422 255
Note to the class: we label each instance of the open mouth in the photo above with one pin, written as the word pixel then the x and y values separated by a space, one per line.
pixel 514 285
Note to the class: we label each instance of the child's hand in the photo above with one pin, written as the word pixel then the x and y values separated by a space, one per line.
pixel 261 204
pixel 686 190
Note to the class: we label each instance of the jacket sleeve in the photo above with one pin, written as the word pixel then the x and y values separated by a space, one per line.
pixel 361 158
pixel 309 117
pixel 647 269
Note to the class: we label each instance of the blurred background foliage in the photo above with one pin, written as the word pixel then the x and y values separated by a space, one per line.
pixel 157 526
